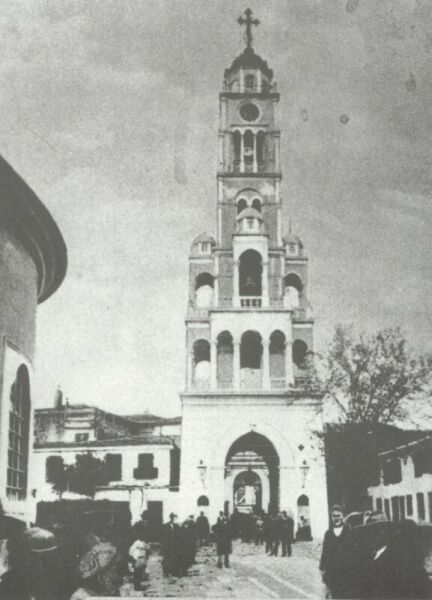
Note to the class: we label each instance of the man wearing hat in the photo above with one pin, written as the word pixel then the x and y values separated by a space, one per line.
pixel 100 572
pixel 337 559
pixel 172 547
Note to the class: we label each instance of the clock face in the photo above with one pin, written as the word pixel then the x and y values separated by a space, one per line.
pixel 249 112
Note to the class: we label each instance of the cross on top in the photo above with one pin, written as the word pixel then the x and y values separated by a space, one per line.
pixel 248 21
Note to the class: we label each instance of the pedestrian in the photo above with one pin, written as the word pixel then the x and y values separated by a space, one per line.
pixel 236 524
pixel 337 558
pixel 190 535
pixel 138 556
pixel 268 534
pixel 172 547
pixel 203 528
pixel 259 529
pixel 100 572
pixel 275 530
pixel 286 533
pixel 223 532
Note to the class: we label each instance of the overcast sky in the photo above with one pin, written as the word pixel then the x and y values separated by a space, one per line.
pixel 109 110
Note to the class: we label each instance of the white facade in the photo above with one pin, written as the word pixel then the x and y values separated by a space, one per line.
pixel 411 497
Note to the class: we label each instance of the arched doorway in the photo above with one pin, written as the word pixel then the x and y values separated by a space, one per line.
pixel 252 474
pixel 247 492
pixel 303 518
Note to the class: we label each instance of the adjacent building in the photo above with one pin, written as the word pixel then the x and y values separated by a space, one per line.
pixel 33 263
pixel 404 490
pixel 140 452
pixel 247 429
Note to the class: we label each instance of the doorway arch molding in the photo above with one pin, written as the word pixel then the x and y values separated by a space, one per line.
pixel 274 436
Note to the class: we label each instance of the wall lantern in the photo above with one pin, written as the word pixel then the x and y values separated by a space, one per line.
pixel 202 470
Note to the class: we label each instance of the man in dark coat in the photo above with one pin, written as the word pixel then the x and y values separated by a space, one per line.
pixel 223 533
pixel 189 531
pixel 172 547
pixel 337 558
pixel 203 528
pixel 286 533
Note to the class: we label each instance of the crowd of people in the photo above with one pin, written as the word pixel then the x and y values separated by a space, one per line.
pixel 378 559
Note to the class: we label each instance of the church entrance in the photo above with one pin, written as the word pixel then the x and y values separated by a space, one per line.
pixel 252 475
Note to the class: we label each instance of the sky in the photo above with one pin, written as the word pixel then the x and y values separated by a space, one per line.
pixel 109 110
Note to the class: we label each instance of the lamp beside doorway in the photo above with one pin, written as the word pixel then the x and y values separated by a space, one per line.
pixel 202 470
pixel 305 470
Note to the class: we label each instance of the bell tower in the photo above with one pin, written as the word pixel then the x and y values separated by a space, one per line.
pixel 249 325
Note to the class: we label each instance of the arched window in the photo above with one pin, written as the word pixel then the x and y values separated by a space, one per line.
pixel 250 356
pixel 303 500
pixel 304 532
pixel 250 274
pixel 277 359
pixel 248 145
pixel 299 351
pixel 260 148
pixel 201 357
pixel 204 284
pixel 237 147
pixel 256 204
pixel 203 501
pixel 241 205
pixel 250 82
pixel 293 289
pixel 225 360
pixel 19 429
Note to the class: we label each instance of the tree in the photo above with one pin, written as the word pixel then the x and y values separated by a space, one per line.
pixel 373 379
pixel 56 474
pixel 86 474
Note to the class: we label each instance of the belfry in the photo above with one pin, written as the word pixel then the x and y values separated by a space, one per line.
pixel 248 429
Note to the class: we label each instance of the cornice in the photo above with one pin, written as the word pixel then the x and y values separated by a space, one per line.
pixel 34 226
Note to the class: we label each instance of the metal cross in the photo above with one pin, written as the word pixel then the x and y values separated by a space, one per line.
pixel 248 21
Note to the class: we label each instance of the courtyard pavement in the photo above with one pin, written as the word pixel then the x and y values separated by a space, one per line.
pixel 252 575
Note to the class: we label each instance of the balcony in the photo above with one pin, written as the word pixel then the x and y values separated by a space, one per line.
pixel 250 301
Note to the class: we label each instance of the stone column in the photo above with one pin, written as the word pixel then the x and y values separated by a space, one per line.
pixel 265 292
pixel 236 299
pixel 213 365
pixel 236 364
pixel 242 164
pixel 277 152
pixel 259 81
pixel 289 371
pixel 221 152
pixel 266 365
pixel 255 164
pixel 241 80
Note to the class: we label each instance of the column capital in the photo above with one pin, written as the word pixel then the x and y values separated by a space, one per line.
pixel 265 343
pixel 236 341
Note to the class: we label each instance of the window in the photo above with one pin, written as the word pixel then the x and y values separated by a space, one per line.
pixel 250 82
pixel 402 507
pixel 54 469
pixel 395 508
pixel 409 505
pixel 205 247
pixel 421 506
pixel 392 471
pixel 19 425
pixel 145 468
pixel 82 437
pixel 203 501
pixel 430 506
pixel 249 112
pixel 422 462
pixel 114 467
pixel 379 504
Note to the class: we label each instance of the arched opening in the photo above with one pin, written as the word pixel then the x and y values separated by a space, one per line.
pixel 250 274
pixel 248 147
pixel 241 205
pixel 203 501
pixel 225 360
pixel 19 431
pixel 256 204
pixel 236 148
pixel 201 362
pixel 277 360
pixel 299 351
pixel 293 289
pixel 303 519
pixel 250 83
pixel 251 360
pixel 204 284
pixel 260 149
pixel 252 474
